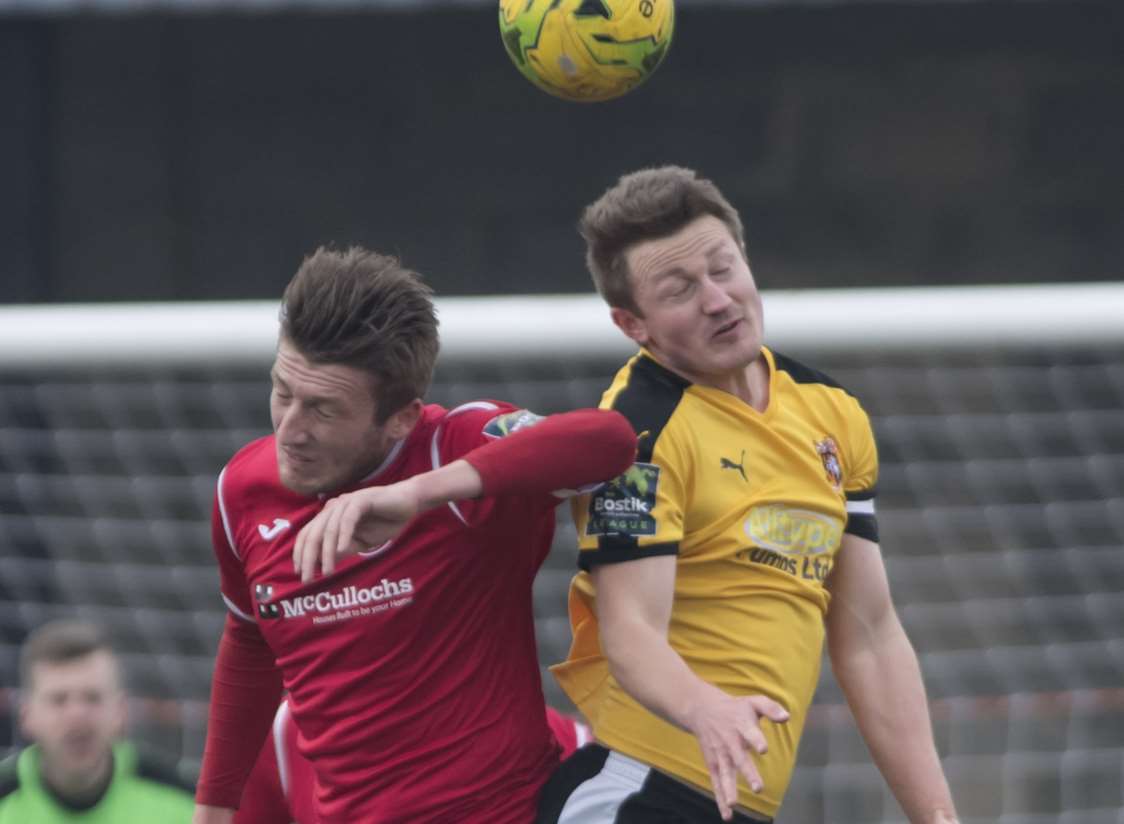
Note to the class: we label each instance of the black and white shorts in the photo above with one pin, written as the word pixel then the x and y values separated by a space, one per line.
pixel 596 785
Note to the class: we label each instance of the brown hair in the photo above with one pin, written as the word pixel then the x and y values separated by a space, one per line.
pixel 646 205
pixel 362 309
pixel 60 642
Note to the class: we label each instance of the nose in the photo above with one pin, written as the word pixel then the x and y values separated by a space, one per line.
pixel 290 428
pixel 76 709
pixel 715 298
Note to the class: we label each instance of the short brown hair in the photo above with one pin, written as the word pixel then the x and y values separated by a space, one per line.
pixel 362 309
pixel 60 642
pixel 646 205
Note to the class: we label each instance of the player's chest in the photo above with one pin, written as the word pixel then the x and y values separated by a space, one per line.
pixel 421 569
pixel 743 463
pixel 769 496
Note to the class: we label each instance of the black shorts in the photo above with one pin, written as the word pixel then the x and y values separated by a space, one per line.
pixel 598 786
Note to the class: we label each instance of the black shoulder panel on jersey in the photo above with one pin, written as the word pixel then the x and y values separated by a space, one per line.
pixel 805 374
pixel 648 401
pixel 9 775
pixel 161 771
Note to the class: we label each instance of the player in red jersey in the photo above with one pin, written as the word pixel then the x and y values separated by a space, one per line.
pixel 282 786
pixel 410 662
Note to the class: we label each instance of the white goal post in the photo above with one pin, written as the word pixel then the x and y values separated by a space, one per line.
pixel 526 327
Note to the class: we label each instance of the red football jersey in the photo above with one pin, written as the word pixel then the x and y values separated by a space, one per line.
pixel 282 786
pixel 412 670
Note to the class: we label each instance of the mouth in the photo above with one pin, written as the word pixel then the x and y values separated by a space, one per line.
pixel 80 743
pixel 727 328
pixel 297 458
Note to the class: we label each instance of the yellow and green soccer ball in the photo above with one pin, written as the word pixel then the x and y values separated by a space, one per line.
pixel 587 50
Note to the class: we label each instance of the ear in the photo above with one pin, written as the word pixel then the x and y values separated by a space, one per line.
pixel 631 324
pixel 402 422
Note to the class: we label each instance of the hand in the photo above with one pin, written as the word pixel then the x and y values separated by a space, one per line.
pixel 353 523
pixel 205 814
pixel 725 725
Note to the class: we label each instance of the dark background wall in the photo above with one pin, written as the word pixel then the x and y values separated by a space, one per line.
pixel 166 156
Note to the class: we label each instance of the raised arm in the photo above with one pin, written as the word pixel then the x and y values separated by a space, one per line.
pixel 634 601
pixel 559 453
pixel 877 668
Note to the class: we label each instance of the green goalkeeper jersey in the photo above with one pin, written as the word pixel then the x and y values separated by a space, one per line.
pixel 139 792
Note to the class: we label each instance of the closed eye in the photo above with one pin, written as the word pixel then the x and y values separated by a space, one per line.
pixel 680 288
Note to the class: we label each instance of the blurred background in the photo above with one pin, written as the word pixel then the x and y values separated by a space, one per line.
pixel 170 150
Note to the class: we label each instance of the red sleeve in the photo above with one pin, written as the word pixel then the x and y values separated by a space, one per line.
pixel 245 690
pixel 561 452
pixel 263 799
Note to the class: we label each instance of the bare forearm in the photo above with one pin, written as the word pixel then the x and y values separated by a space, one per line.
pixel 653 673
pixel 883 685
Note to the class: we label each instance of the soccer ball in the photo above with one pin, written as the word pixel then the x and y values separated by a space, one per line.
pixel 587 50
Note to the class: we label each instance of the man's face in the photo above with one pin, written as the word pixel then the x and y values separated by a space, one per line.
pixel 324 419
pixel 700 312
pixel 74 711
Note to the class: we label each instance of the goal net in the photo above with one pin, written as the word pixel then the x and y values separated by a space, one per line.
pixel 1000 416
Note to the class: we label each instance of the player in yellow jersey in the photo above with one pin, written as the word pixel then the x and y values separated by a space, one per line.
pixel 745 534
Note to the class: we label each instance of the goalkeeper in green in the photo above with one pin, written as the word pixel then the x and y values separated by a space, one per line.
pixel 78 770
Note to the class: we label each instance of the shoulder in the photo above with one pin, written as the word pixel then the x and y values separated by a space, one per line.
pixel 9 775
pixel 801 374
pixel 445 434
pixel 806 380
pixel 251 475
pixel 472 410
pixel 254 463
pixel 648 395
pixel 475 417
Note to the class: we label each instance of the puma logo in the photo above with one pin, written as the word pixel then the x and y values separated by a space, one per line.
pixel 268 533
pixel 728 464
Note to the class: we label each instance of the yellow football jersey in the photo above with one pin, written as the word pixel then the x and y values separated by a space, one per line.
pixel 755 505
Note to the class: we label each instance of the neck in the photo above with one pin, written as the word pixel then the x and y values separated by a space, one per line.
pixel 78 790
pixel 377 462
pixel 749 383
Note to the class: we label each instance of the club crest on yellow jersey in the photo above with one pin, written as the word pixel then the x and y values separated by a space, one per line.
pixel 828 451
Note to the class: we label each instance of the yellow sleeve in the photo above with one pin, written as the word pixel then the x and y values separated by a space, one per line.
pixel 861 476
pixel 638 514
